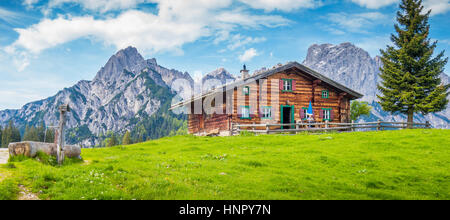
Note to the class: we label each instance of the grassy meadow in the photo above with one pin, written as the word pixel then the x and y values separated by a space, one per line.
pixel 407 164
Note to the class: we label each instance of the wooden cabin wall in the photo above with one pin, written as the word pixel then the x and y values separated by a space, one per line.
pixel 300 98
pixel 207 123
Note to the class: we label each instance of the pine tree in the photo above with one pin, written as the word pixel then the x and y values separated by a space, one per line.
pixel 26 134
pixel 112 140
pixel 41 132
pixel 31 134
pixel 410 74
pixel 5 135
pixel 49 136
pixel 1 136
pixel 126 139
pixel 15 135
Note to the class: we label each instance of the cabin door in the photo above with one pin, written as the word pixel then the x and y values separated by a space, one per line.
pixel 287 116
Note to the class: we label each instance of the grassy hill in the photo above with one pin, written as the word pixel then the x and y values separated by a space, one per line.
pixel 409 164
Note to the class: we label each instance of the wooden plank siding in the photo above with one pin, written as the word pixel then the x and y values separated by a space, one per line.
pixel 307 89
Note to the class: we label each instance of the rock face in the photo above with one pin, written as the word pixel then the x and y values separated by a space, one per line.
pixel 217 78
pixel 353 67
pixel 122 90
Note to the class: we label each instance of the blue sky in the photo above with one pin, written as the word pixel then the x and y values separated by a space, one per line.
pixel 46 45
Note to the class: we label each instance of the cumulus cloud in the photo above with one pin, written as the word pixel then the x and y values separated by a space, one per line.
pixel 248 55
pixel 167 30
pixel 282 5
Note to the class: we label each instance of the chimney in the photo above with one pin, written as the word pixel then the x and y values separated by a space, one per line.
pixel 245 73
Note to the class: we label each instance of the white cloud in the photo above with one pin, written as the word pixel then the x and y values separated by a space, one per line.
pixel 375 4
pixel 178 22
pixel 9 16
pixel 238 41
pixel 437 6
pixel 110 5
pixel 355 22
pixel 30 2
pixel 248 55
pixel 93 5
pixel 282 5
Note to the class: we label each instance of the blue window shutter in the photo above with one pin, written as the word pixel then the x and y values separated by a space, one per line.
pixel 331 115
pixel 321 113
pixel 302 114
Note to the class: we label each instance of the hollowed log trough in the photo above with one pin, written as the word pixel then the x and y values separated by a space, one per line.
pixel 30 149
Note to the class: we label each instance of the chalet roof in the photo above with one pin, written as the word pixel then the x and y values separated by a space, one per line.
pixel 290 65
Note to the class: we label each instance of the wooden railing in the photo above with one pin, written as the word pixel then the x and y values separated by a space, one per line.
pixel 325 126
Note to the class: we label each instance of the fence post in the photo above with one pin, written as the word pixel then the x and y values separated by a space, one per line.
pixel 379 125
pixel 427 124
pixel 297 127
pixel 253 127
pixel 267 128
pixel 231 129
pixel 352 126
pixel 326 125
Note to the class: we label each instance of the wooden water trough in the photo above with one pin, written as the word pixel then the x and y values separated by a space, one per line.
pixel 57 149
pixel 30 149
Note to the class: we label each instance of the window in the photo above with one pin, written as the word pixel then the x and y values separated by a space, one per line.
pixel 246 90
pixel 304 113
pixel 326 114
pixel 245 112
pixel 325 94
pixel 287 85
pixel 266 112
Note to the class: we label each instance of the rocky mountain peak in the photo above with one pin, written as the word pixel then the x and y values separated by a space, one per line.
pixel 152 62
pixel 127 59
pixel 129 53
pixel 220 74
pixel 347 64
pixel 216 78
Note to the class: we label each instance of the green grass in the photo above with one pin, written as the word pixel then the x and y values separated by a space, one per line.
pixel 8 190
pixel 408 164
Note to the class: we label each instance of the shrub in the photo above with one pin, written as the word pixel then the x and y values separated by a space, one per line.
pixel 246 134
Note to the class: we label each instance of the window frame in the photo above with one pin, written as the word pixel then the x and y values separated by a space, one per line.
pixel 305 110
pixel 246 90
pixel 325 91
pixel 263 112
pixel 329 114
pixel 242 115
pixel 291 85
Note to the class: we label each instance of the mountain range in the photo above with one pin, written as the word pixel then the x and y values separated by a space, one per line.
pixel 355 68
pixel 132 93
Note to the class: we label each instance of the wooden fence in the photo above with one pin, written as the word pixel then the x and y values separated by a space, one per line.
pixel 325 126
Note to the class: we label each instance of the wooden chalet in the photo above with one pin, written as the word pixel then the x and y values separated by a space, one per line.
pixel 280 95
